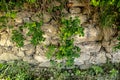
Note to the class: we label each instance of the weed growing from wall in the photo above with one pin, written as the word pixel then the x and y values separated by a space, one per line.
pixel 67 50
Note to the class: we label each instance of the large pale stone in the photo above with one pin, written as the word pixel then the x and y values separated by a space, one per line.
pixel 109 33
pixel 83 57
pixel 116 56
pixel 75 10
pixel 75 3
pixel 89 46
pixel 40 58
pixel 30 60
pixel 5 40
pixel 109 45
pixel 21 54
pixel 29 49
pixel 90 34
pixel 8 57
pixel 50 33
pixel 46 17
pixel 98 58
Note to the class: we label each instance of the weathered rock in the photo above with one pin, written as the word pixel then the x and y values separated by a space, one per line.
pixel 90 34
pixel 8 57
pixel 21 54
pixel 83 57
pixel 35 18
pixel 75 3
pixel 46 17
pixel 50 33
pixel 108 33
pixel 45 64
pixel 5 39
pixel 56 3
pixel 109 45
pixel 30 60
pixel 29 49
pixel 116 56
pixel 18 20
pixel 98 58
pixel 75 10
pixel 22 16
pixel 40 58
pixel 26 19
pixel 89 46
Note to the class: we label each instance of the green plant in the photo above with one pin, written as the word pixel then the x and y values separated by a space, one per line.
pixel 109 11
pixel 35 32
pixel 17 70
pixel 67 51
pixel 18 38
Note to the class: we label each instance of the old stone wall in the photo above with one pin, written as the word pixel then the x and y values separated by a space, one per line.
pixel 96 45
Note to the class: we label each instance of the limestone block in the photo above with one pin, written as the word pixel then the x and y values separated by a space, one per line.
pixel 40 58
pixel 98 58
pixel 90 34
pixel 29 49
pixel 21 54
pixel 116 56
pixel 89 46
pixel 8 57
pixel 29 60
pixel 83 57
pixel 75 10
pixel 46 17
pixel 5 40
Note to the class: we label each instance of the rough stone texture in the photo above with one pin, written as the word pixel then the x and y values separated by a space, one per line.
pixel 96 45
pixel 46 17
pixel 5 39
pixel 75 10
pixel 98 58
pixel 8 57
pixel 29 49
pixel 40 58
pixel 83 57
pixel 89 46
pixel 21 54
pixel 91 34
pixel 116 56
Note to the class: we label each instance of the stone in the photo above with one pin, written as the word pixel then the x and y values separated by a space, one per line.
pixel 83 57
pixel 75 3
pixel 21 54
pixel 116 56
pixel 35 18
pixel 75 10
pixel 45 64
pixel 18 20
pixel 40 50
pixel 46 17
pixel 8 57
pixel 56 3
pixel 99 58
pixel 5 40
pixel 108 33
pixel 89 46
pixel 29 49
pixel 50 33
pixel 30 60
pixel 90 34
pixel 40 58
pixel 26 19
pixel 109 45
